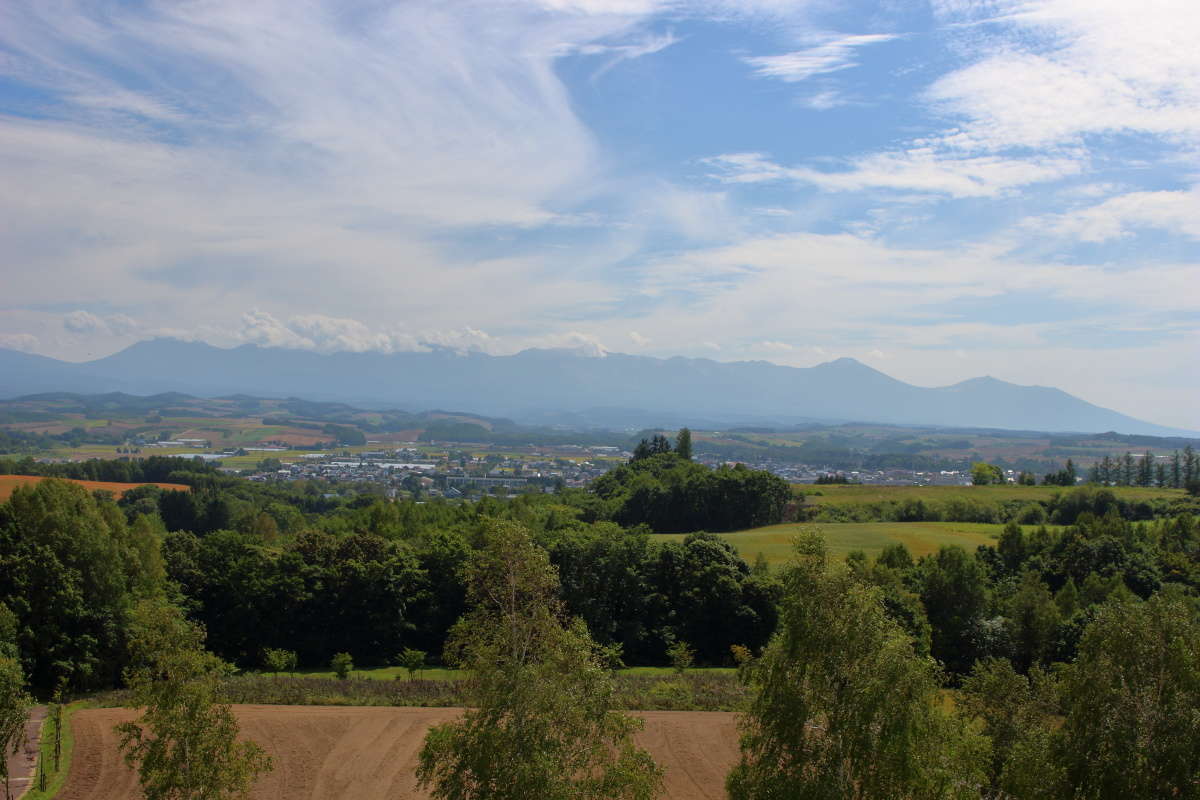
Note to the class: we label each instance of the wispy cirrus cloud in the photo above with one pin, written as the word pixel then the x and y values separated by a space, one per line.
pixel 919 169
pixel 832 53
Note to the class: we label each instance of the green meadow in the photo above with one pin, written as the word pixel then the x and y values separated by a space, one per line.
pixel 850 494
pixel 921 538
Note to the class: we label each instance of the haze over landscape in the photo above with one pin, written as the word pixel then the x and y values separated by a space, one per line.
pixel 566 387
pixel 938 191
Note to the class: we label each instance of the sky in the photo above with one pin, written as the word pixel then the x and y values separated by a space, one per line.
pixel 942 190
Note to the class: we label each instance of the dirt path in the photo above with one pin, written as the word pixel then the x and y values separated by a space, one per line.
pixel 326 753
pixel 23 764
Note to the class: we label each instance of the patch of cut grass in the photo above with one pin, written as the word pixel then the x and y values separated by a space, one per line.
pixel 921 538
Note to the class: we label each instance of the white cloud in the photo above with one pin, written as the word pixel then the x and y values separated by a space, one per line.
pixel 329 334
pixel 25 342
pixel 461 340
pixel 260 328
pixel 584 344
pixel 920 169
pixel 121 324
pixel 317 109
pixel 823 101
pixel 1175 212
pixel 82 322
pixel 638 339
pixel 325 334
pixel 616 53
pixel 1054 71
pixel 848 294
pixel 85 323
pixel 833 53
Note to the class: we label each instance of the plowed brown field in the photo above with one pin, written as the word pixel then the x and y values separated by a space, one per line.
pixel 327 753
pixel 10 482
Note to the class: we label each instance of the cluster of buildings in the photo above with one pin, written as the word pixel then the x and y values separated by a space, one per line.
pixel 809 473
pixel 456 474
pixel 450 474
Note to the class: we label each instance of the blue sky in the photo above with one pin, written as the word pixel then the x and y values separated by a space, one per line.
pixel 941 190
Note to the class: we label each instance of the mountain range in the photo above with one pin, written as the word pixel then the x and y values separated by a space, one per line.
pixel 567 387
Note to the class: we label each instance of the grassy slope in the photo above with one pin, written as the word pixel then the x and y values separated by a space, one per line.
pixel 774 541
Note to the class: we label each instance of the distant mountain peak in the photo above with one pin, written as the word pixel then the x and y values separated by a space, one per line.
pixel 843 362
pixel 558 380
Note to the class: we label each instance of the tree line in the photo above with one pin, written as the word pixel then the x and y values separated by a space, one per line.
pixel 301 568
pixel 1180 471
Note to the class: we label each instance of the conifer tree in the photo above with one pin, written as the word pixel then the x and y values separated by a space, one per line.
pixel 683 443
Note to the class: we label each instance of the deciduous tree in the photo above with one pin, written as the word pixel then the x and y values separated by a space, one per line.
pixel 843 706
pixel 14 713
pixel 1132 703
pixel 543 723
pixel 984 474
pixel 412 660
pixel 185 743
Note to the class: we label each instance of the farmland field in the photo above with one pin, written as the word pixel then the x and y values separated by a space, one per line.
pixel 328 753
pixel 849 494
pixel 10 482
pixel 921 538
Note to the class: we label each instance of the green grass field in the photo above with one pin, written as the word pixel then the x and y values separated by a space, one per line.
pixel 850 494
pixel 921 538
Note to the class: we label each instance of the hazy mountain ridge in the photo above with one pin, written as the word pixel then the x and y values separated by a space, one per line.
pixel 535 384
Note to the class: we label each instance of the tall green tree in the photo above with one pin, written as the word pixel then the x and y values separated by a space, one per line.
pixel 1145 470
pixel 1132 704
pixel 954 590
pixel 70 570
pixel 1034 620
pixel 683 443
pixel 543 723
pixel 14 713
pixel 843 707
pixel 984 474
pixel 185 743
pixel 1015 713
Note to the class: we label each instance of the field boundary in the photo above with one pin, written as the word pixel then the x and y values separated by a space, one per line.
pixel 57 780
